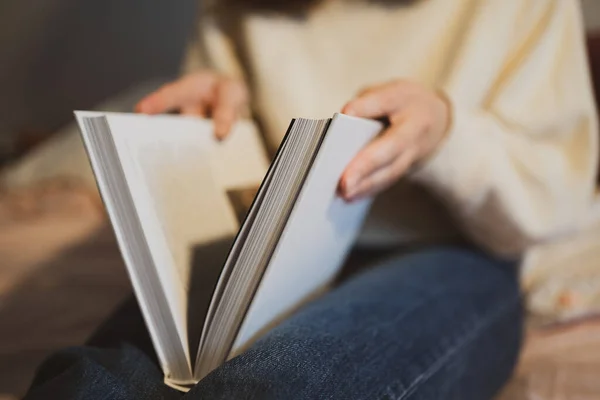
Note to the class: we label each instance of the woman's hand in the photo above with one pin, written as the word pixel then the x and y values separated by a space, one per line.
pixel 419 119
pixel 203 93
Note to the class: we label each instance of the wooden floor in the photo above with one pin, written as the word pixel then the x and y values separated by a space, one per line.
pixel 60 275
pixel 559 364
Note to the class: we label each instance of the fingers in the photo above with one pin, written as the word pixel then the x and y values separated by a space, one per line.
pixel 200 94
pixel 188 90
pixel 418 120
pixel 231 97
pixel 379 153
pixel 382 160
pixel 382 178
pixel 195 110
pixel 379 101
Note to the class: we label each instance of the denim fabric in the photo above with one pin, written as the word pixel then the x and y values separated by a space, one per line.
pixel 440 323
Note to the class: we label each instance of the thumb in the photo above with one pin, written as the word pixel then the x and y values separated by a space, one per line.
pixel 187 90
pixel 231 99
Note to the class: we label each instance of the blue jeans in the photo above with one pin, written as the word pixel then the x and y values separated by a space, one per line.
pixel 440 323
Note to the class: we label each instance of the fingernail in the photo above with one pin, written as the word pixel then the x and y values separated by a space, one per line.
pixel 349 193
pixel 350 183
pixel 220 134
pixel 351 196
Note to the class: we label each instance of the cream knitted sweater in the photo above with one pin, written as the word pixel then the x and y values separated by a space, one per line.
pixel 518 167
pixel 519 164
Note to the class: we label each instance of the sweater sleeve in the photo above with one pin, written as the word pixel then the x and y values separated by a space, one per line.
pixel 211 47
pixel 518 167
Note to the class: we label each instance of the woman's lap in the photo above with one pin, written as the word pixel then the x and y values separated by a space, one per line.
pixel 440 323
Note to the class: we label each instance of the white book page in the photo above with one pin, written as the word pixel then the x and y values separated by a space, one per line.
pixel 320 231
pixel 179 175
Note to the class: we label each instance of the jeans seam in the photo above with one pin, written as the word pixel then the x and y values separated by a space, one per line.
pixel 430 296
pixel 435 367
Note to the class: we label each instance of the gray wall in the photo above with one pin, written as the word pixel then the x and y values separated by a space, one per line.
pixel 591 12
pixel 60 55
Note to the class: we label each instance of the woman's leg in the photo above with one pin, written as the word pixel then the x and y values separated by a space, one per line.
pixel 436 324
pixel 441 323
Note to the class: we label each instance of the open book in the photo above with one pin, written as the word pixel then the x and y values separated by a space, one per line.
pixel 219 246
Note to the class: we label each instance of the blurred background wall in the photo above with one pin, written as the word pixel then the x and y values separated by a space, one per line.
pixel 60 55
pixel 592 13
